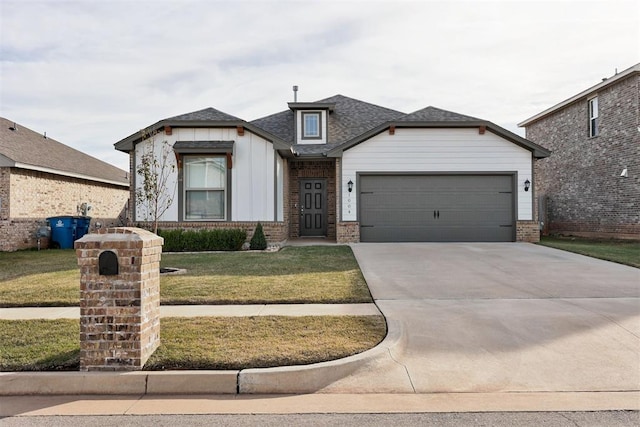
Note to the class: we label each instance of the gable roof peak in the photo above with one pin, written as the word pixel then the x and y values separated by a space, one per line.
pixel 435 114
pixel 208 113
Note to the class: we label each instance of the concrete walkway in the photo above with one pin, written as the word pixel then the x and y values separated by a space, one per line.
pixel 207 310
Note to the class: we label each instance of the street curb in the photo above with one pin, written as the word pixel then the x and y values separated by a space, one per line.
pixel 288 379
pixel 312 378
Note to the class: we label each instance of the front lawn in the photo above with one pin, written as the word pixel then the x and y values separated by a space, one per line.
pixel 201 342
pixel 620 251
pixel 316 274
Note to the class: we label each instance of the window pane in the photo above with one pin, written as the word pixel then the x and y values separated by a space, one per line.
pixel 204 205
pixel 593 117
pixel 311 125
pixel 205 172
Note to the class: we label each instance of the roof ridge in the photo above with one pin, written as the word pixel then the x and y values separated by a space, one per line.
pixel 431 113
pixel 202 114
pixel 360 101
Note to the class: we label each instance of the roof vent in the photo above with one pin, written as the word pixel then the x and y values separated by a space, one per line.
pixel 14 127
pixel 45 135
pixel 295 93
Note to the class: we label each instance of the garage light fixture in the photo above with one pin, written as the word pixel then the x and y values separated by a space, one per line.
pixel 527 184
pixel 350 186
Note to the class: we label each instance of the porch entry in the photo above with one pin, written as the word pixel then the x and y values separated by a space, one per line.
pixel 313 207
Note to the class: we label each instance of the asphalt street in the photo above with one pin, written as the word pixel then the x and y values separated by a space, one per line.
pixel 497 419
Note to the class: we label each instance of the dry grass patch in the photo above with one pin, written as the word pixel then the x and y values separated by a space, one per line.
pixel 260 342
pixel 201 342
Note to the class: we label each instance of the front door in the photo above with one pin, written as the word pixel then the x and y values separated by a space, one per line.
pixel 313 211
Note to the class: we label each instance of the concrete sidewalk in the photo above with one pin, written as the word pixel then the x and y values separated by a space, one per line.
pixel 207 310
pixel 29 406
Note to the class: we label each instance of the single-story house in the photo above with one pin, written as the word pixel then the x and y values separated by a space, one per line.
pixel 41 178
pixel 590 187
pixel 346 170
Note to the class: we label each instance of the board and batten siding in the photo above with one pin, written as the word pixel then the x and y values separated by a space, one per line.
pixel 432 151
pixel 253 174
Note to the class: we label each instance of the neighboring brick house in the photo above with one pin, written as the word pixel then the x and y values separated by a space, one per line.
pixel 40 178
pixel 345 170
pixel 590 185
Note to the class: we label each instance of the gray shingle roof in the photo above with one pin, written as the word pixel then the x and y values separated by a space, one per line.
pixel 278 124
pixel 32 150
pixel 350 118
pixel 206 114
pixel 433 114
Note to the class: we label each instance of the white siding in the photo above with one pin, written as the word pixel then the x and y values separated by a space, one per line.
pixel 280 188
pixel 252 174
pixel 171 214
pixel 436 150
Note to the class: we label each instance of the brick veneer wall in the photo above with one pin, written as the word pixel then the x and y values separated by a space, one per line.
pixel 527 231
pixel 5 184
pixel 29 197
pixel 119 314
pixel 311 169
pixel 348 232
pixel 580 183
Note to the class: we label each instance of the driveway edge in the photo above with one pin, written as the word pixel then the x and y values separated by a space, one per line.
pixel 288 379
pixel 314 377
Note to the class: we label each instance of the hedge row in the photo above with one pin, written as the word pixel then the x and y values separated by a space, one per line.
pixel 227 239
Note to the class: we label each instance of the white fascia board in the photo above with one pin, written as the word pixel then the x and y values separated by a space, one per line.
pixel 69 174
pixel 581 95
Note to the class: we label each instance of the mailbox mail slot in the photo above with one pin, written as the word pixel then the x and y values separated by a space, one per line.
pixel 108 264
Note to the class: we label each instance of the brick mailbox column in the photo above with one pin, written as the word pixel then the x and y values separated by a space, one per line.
pixel 119 298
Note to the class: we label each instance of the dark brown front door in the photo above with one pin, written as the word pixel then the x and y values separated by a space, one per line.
pixel 313 211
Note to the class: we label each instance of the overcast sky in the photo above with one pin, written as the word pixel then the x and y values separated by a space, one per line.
pixel 90 73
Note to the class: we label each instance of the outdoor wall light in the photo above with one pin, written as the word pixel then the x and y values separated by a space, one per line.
pixel 527 184
pixel 350 186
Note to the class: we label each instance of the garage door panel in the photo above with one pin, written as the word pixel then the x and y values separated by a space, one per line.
pixel 443 208
pixel 435 234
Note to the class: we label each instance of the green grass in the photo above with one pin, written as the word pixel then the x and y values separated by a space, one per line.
pixel 39 278
pixel 39 345
pixel 317 274
pixel 201 343
pixel 620 251
pixel 320 274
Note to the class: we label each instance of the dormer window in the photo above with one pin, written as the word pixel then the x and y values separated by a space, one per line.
pixel 311 125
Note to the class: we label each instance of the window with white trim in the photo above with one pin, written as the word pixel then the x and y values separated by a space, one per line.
pixel 593 117
pixel 311 124
pixel 205 187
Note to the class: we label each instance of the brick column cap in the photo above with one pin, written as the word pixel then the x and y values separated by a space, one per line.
pixel 120 234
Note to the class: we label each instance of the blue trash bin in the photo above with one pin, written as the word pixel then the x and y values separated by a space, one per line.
pixel 62 231
pixel 82 226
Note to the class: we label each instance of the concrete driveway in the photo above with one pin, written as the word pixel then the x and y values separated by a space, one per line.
pixel 496 317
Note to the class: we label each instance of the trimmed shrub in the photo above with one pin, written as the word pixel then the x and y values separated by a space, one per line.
pixel 258 241
pixel 224 239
